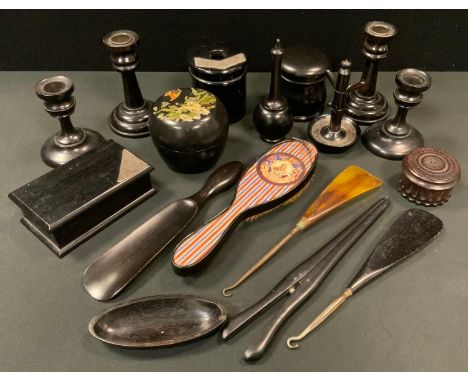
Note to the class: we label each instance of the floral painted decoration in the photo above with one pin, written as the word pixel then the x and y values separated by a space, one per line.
pixel 193 106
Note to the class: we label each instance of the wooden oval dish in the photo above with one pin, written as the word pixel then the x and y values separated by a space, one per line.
pixel 158 321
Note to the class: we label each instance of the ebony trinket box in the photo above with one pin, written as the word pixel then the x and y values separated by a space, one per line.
pixel 189 128
pixel 69 204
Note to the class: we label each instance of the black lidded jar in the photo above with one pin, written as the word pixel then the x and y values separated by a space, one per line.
pixel 222 71
pixel 303 73
pixel 189 127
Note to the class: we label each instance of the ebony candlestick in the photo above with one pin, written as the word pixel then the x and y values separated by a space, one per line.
pixel 396 138
pixel 336 133
pixel 131 117
pixel 366 105
pixel 272 117
pixel 70 141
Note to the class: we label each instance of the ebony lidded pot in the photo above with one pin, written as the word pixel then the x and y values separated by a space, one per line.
pixel 189 127
pixel 222 71
pixel 303 73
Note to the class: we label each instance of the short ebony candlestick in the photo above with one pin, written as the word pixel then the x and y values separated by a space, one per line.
pixel 366 105
pixel 272 117
pixel 131 117
pixel 336 133
pixel 396 138
pixel 70 141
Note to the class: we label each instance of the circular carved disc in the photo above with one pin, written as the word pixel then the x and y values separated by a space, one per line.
pixel 433 165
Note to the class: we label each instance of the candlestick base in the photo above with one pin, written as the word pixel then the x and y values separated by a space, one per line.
pixel 381 142
pixel 366 110
pixel 131 123
pixel 331 142
pixel 55 154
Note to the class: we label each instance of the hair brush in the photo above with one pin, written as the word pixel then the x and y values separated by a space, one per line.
pixel 277 178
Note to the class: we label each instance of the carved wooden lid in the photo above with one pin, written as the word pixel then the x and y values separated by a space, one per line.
pixel 431 169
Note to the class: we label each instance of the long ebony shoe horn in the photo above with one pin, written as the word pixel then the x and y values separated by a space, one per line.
pixel 412 231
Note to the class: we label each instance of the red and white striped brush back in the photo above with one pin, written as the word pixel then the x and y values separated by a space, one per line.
pixel 276 173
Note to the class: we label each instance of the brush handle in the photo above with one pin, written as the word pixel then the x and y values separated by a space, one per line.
pixel 222 179
pixel 198 246
pixel 327 312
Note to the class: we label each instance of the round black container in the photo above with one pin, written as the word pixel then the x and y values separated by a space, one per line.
pixel 222 72
pixel 303 73
pixel 189 127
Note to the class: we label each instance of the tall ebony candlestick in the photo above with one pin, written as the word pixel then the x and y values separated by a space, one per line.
pixel 366 105
pixel 131 117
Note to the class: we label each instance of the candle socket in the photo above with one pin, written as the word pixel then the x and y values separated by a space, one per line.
pixel 366 105
pixel 70 141
pixel 131 117
pixel 395 138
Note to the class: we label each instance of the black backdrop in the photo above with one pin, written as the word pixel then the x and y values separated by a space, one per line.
pixel 71 39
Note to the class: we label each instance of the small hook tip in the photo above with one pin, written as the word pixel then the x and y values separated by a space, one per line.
pixel 290 343
pixel 226 292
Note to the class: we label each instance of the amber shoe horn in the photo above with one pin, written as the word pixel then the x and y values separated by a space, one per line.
pixel 349 184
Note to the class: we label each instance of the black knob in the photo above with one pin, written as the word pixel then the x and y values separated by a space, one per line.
pixel 69 142
pixel 272 117
pixel 131 117
pixel 396 138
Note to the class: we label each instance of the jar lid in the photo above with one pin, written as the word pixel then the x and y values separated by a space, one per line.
pixel 216 59
pixel 431 168
pixel 304 64
pixel 187 119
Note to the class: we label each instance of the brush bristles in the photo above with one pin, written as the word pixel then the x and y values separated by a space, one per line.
pixel 291 200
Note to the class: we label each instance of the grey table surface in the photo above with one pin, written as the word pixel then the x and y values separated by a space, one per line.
pixel 412 319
